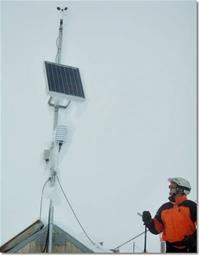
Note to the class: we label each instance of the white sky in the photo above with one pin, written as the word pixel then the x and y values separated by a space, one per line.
pixel 137 127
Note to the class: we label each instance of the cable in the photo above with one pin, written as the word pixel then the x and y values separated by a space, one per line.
pixel 129 240
pixel 76 215
pixel 41 200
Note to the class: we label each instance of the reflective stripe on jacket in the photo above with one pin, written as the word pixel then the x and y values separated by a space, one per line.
pixel 176 220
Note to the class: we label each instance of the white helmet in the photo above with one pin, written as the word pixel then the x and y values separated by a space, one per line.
pixel 182 184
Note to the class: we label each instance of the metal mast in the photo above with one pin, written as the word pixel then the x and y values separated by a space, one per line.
pixel 53 168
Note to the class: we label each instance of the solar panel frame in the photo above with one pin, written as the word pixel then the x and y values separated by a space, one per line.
pixel 63 81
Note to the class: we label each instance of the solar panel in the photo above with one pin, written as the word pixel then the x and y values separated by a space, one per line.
pixel 63 80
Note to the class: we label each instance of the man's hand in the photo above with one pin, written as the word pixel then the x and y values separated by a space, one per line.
pixel 146 217
pixel 148 222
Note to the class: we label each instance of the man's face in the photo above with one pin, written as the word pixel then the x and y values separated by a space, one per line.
pixel 172 188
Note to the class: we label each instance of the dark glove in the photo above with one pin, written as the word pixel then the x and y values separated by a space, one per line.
pixel 146 217
pixel 148 222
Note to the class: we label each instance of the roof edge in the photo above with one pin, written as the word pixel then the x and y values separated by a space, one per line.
pixel 27 232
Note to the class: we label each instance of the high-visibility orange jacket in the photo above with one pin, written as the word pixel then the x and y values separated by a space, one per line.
pixel 176 219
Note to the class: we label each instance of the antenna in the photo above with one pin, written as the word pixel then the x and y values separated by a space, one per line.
pixel 64 84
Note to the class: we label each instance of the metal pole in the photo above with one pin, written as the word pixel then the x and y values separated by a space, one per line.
pixel 145 239
pixel 53 172
pixel 50 240
pixel 133 247
pixel 55 122
pixel 60 42
pixel 58 60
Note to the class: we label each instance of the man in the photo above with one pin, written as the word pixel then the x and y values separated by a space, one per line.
pixel 176 219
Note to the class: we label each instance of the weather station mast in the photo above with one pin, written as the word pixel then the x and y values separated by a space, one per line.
pixel 64 85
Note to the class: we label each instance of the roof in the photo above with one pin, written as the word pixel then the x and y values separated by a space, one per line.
pixel 37 233
pixel 81 237
pixel 29 231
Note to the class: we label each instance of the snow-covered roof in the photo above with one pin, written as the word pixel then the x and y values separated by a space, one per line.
pixel 37 231
pixel 81 237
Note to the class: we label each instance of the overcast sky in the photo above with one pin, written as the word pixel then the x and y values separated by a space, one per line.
pixel 136 128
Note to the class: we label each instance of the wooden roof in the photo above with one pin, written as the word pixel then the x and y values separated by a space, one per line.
pixel 29 231
pixel 34 239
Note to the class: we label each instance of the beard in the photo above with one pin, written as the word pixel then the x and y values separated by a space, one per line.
pixel 172 197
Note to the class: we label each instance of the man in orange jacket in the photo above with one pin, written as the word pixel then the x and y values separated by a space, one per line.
pixel 176 219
